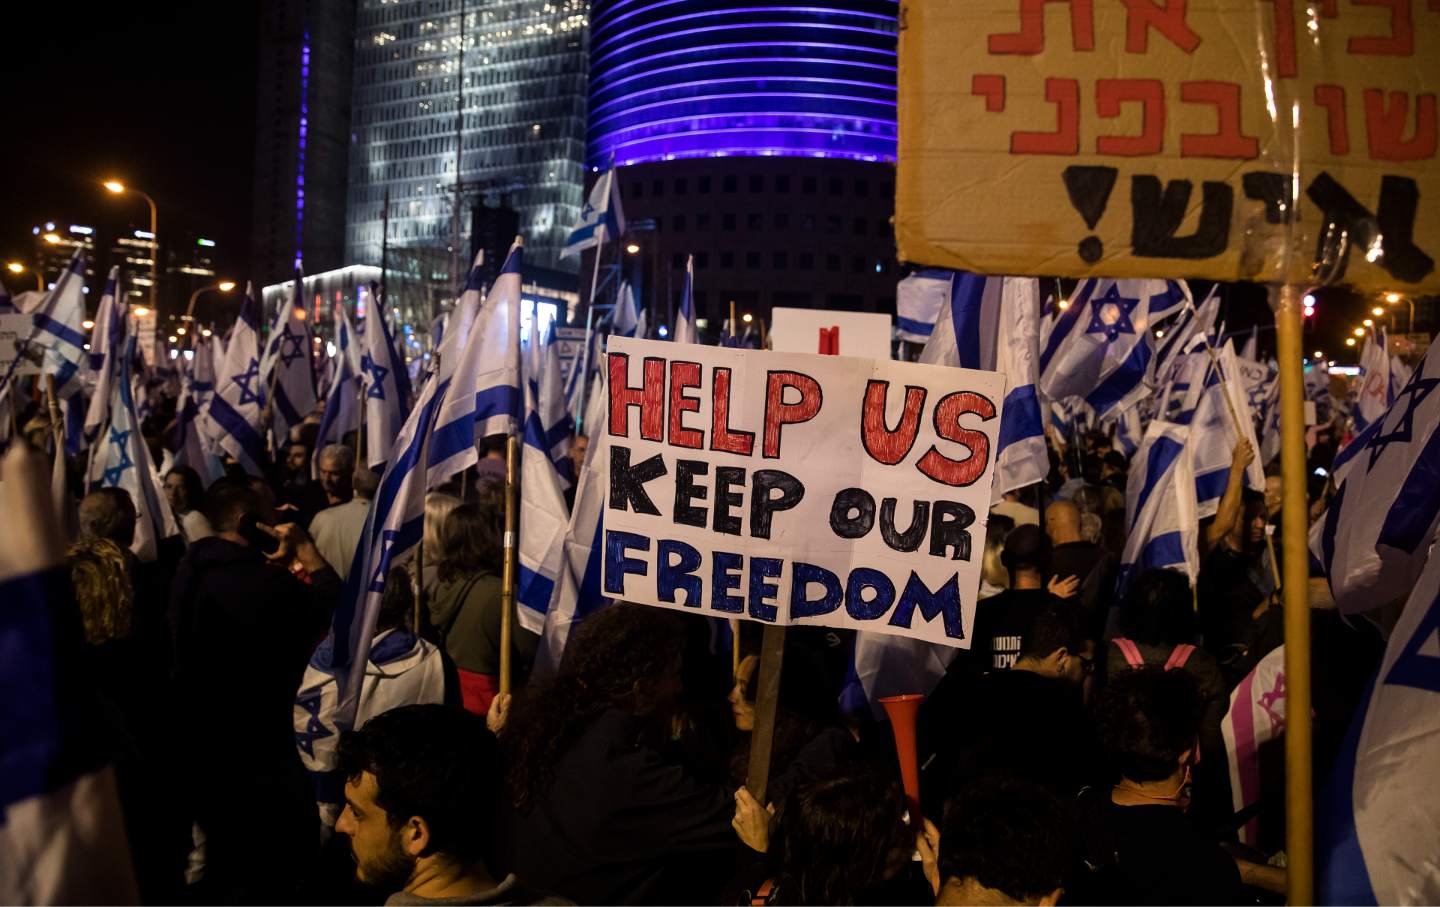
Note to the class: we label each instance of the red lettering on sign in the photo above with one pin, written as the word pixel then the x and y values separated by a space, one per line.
pixel 684 375
pixel 1331 8
pixel 1150 94
pixel 882 444
pixel 943 469
pixel 1332 98
pixel 1285 61
pixel 1143 15
pixel 721 435
pixel 649 396
pixel 991 88
pixel 1386 121
pixel 1030 39
pixel 1226 141
pixel 1065 95
pixel 1401 40
pixel 778 412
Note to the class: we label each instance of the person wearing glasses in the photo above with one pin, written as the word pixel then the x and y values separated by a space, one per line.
pixel 1026 722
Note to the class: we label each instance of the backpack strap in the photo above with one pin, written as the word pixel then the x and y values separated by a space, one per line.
pixel 1178 656
pixel 762 894
pixel 1130 651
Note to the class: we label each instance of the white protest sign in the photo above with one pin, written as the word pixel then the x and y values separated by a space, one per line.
pixel 791 488
pixel 15 330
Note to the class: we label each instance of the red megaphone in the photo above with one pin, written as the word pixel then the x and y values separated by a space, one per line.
pixel 902 711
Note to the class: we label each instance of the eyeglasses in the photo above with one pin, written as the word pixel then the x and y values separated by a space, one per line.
pixel 1087 665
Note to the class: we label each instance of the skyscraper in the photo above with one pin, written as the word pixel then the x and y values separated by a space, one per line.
pixel 758 135
pixel 517 69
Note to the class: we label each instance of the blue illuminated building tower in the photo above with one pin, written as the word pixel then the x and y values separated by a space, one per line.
pixel 758 135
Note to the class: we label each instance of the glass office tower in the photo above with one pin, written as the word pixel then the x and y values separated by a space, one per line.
pixel 523 65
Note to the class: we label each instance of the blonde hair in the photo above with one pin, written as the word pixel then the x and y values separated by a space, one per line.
pixel 103 590
pixel 437 507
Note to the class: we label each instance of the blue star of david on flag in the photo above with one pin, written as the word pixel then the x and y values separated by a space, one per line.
pixel 248 394
pixel 382 570
pixel 314 728
pixel 120 440
pixel 1415 667
pixel 292 345
pixel 377 373
pixel 1402 431
pixel 1110 314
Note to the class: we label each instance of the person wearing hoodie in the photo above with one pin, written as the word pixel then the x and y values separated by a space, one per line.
pixel 243 628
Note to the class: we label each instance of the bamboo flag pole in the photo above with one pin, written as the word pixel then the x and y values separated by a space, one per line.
pixel 507 595
pixel 1299 789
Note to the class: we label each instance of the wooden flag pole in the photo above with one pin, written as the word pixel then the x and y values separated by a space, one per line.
pixel 507 594
pixel 52 405
pixel 767 698
pixel 1299 787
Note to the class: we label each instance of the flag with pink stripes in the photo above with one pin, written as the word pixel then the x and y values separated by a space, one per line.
pixel 1256 716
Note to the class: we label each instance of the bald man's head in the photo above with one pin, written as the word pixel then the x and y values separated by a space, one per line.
pixel 1062 522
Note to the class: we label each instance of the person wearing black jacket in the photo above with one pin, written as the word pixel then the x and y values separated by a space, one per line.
pixel 600 815
pixel 244 627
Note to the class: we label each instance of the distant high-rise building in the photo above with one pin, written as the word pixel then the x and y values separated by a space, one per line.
pixel 522 65
pixel 758 135
pixel 134 254
pixel 55 243
pixel 302 136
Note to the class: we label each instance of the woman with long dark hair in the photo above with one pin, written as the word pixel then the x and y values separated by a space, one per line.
pixel 601 816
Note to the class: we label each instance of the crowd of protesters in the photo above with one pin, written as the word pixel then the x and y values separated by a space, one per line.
pixel 1072 754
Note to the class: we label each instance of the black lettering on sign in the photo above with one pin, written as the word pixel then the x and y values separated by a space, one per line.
pixel 763 506
pixel 852 515
pixel 1273 191
pixel 1393 225
pixel 1155 216
pixel 1089 190
pixel 627 483
pixel 687 514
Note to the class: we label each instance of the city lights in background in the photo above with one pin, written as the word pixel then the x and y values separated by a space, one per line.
pixel 1349 341
pixel 1392 298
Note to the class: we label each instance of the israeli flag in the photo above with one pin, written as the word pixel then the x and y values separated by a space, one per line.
pixel 543 520
pixel 1101 348
pixel 192 443
pixel 483 395
pixel 993 325
pixel 1160 512
pixel 239 398
pixel 685 330
pixel 1129 430
pixel 392 532
pixel 1180 335
pixel 386 383
pixel 1377 817
pixel 58 330
pixel 1221 419
pixel 547 385
pixel 123 461
pixel 1375 392
pixel 577 592
pixel 1317 390
pixel 342 404
pixel 1374 538
pixel 7 305
pixel 107 340
pixel 581 374
pixel 627 320
pixel 602 219
pixel 1267 416
pixel 920 301
pixel 288 366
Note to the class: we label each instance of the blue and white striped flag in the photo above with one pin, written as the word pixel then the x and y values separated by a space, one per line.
pixel 1375 391
pixel 558 423
pixel 993 325
pixel 627 320
pixel 107 340
pixel 58 329
pixel 122 460
pixel 342 403
pixel 685 329
pixel 483 396
pixel 386 382
pixel 288 366
pixel 239 398
pixel 602 219
pixel 1101 348
pixel 1222 417
pixel 543 518
pixel 193 445
pixel 392 532
pixel 1160 515
pixel 1192 322
pixel 920 302
pixel 1376 534
pixel 1377 818
pixel 1129 429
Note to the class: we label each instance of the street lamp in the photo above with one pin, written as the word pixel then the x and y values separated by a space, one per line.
pixel 116 187
pixel 1359 332
pixel 1349 341
pixel 223 286
pixel 633 248
pixel 1394 298
pixel 15 267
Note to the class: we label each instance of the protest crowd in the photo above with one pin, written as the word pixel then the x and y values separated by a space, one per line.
pixel 279 648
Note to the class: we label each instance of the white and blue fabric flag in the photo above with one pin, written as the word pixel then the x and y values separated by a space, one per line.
pixel 122 460
pixel 993 324
pixel 547 383
pixel 920 303
pixel 627 320
pixel 1222 418
pixel 1160 513
pixel 342 403
pixel 1375 390
pixel 238 402
pixel 1102 349
pixel 107 340
pixel 685 329
pixel 1377 818
pixel 193 444
pixel 601 220
pixel 57 331
pixel 1375 536
pixel 543 519
pixel 1180 335
pixel 288 367
pixel 386 382
pixel 483 396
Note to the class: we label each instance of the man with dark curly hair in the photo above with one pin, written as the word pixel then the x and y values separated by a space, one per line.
pixel 1004 842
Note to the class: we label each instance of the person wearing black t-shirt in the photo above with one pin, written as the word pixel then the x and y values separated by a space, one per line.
pixel 1000 620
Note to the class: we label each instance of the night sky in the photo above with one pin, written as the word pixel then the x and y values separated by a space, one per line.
pixel 160 95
